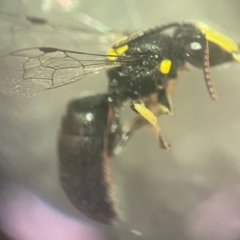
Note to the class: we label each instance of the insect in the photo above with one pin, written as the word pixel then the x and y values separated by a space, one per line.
pixel 142 67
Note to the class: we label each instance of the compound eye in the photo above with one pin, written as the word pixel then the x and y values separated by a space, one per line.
pixel 193 53
pixel 195 46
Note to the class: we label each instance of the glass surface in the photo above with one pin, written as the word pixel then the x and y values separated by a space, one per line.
pixel 188 192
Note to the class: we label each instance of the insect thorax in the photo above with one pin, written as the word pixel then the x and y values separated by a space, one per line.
pixel 148 73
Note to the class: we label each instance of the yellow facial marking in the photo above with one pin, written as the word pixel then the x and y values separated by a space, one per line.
pixel 221 40
pixel 165 66
pixel 117 51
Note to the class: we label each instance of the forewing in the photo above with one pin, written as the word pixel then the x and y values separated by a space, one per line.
pixel 31 70
pixel 45 68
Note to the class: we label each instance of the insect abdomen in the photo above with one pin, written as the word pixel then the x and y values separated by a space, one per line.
pixel 84 158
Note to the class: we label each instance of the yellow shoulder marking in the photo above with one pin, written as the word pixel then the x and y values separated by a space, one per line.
pixel 115 52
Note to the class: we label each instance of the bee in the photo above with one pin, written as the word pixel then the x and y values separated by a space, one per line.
pixel 142 68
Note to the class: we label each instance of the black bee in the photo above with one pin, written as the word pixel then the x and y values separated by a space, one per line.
pixel 142 67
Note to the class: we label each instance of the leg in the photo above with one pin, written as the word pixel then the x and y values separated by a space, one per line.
pixel 152 119
pixel 157 103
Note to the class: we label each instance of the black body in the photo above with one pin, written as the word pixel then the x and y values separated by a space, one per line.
pixel 91 130
pixel 142 77
pixel 174 42
pixel 85 147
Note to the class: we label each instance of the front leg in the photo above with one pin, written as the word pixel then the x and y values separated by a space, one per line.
pixel 158 103
pixel 151 118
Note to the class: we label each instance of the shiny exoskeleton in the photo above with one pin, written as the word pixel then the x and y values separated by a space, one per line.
pixel 138 80
pixel 85 146
pixel 143 68
pixel 186 43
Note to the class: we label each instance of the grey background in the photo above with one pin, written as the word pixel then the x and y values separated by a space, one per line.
pixel 161 194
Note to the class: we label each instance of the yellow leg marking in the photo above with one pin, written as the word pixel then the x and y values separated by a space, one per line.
pixel 151 118
pixel 155 106
pixel 236 57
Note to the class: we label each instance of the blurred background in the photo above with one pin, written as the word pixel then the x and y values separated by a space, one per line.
pixel 189 192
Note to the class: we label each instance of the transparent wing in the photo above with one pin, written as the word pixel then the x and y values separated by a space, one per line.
pixel 20 28
pixel 46 68
pixel 20 21
pixel 31 70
